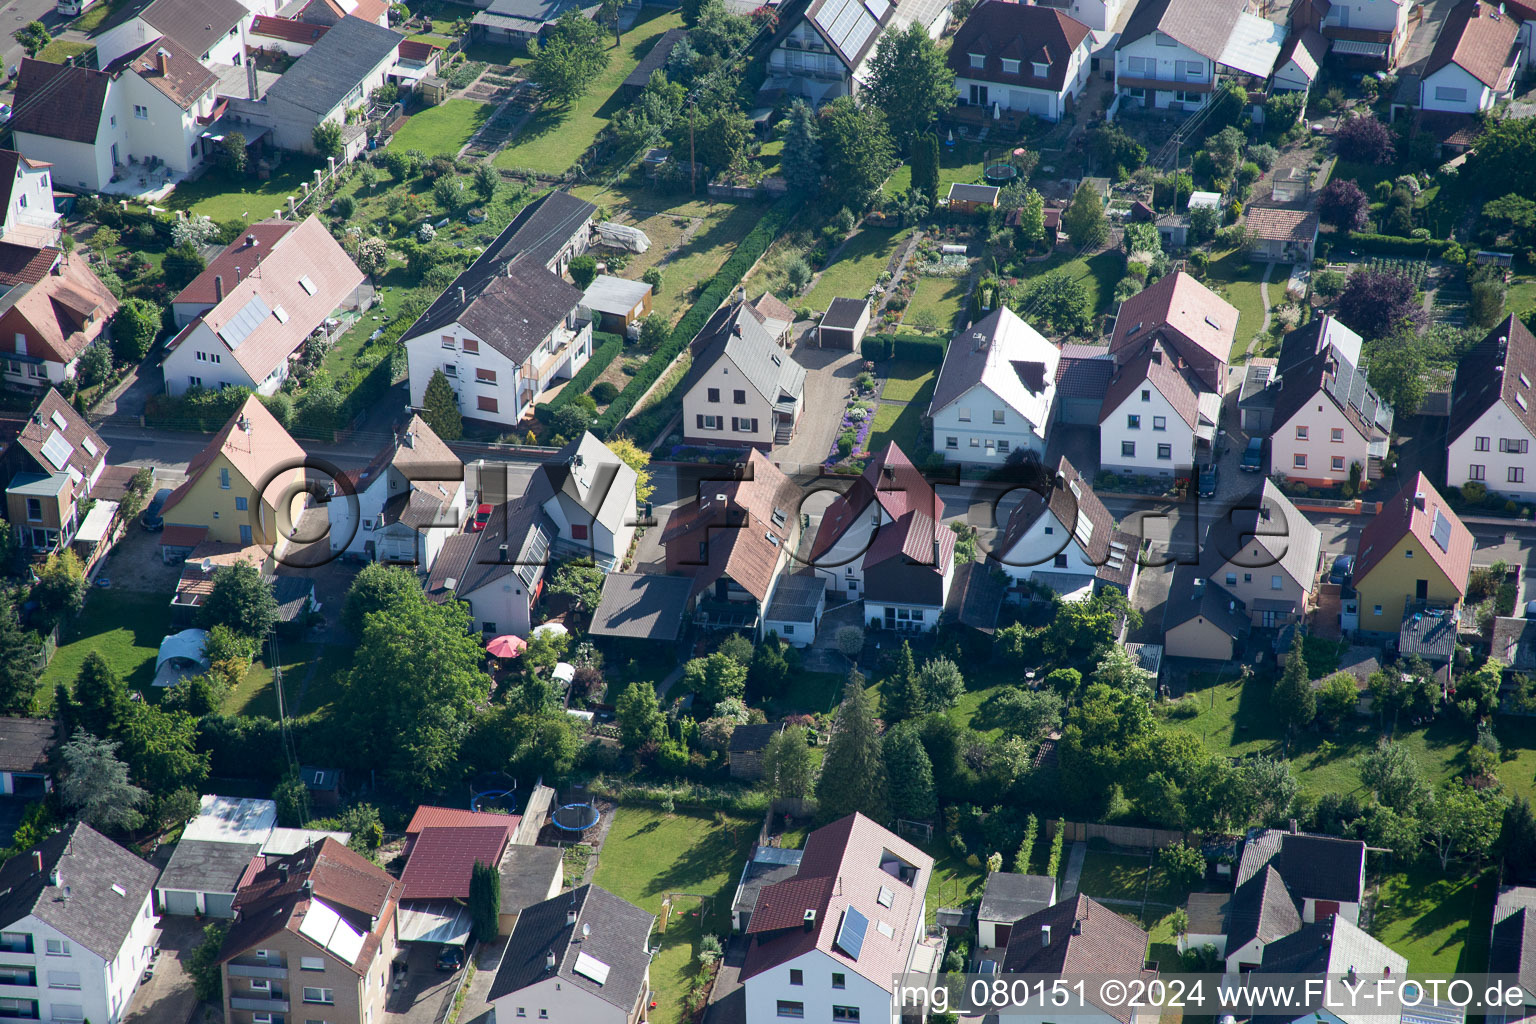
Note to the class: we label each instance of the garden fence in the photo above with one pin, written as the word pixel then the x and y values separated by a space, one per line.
pixel 1118 835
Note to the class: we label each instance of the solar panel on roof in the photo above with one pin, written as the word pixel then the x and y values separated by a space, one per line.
pixel 1441 531
pixel 878 8
pixel 850 934
pixel 57 450
pixel 247 319
pixel 59 420
pixel 591 967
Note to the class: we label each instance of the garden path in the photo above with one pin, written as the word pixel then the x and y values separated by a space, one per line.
pixel 1075 858
pixel 1253 343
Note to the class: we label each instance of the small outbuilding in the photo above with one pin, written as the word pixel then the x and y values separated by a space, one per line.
pixel 203 876
pixel 529 875
pixel 748 743
pixel 641 606
pixel 1008 898
pixel 617 302
pixel 844 324
pixel 25 746
pixel 181 655
pixel 971 198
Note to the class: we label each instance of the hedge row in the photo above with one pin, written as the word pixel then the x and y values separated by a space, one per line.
pixel 1396 245
pixel 919 348
pixel 748 251
pixel 608 348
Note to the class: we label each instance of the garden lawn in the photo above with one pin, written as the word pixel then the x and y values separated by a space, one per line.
pixel 905 380
pixel 323 689
pixel 222 197
pixel 900 423
pixel 649 855
pixel 256 696
pixel 1237 281
pixel 808 693
pixel 556 137
pixel 954 883
pixel 1113 876
pixel 60 50
pixel 859 265
pixel 1438 922
pixel 397 288
pixel 443 130
pixel 961 163
pixel 938 299
pixel 1099 274
pixel 124 627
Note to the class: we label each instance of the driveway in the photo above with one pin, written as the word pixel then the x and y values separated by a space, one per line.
pixel 487 959
pixel 829 373
pixel 421 993
pixel 168 997
pixel 135 563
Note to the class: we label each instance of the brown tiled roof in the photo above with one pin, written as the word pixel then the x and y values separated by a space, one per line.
pixel 1274 224
pixel 1055 492
pixel 42 425
pixel 1401 516
pixel 891 480
pixel 185 80
pixel 1502 368
pixel 66 311
pixel 1202 25
pixel 735 519
pixel 1480 40
pixel 237 261
pixel 416 49
pixel 1084 371
pixel 254 453
pixel 1154 364
pixel 24 264
pixel 196 583
pixel 1085 938
pixel 1022 32
pixel 1195 321
pixel 452 817
pixel 442 859
pixel 195 24
pixel 59 101
pixel 287 29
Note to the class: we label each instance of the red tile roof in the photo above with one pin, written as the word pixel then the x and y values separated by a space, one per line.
pixel 287 29
pixel 890 479
pixel 24 264
pixel 446 817
pixel 1019 32
pixel 1480 38
pixel 1194 320
pixel 1078 937
pixel 1402 516
pixel 442 860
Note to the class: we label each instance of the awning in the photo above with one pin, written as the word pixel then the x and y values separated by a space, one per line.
pixel 1359 48
pixel 442 921
pixel 94 529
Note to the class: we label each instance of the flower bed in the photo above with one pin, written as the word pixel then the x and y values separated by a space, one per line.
pixel 852 441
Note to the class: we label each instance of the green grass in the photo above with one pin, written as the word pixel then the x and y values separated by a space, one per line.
pixel 954 883
pixel 60 50
pixel 864 256
pixel 221 197
pixel 256 696
pixel 92 19
pixel 443 129
pixel 556 136
pixel 942 297
pixel 809 692
pixel 1098 274
pixel 124 627
pixel 650 855
pixel 1237 281
pixel 1114 876
pixel 1438 923
pixel 906 380
pixel 900 423
pixel 324 690
pixel 962 164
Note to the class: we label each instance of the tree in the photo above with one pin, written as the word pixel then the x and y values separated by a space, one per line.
pixel 858 149
pixel 925 165
pixel 1114 148
pixel 1391 772
pixel 736 647
pixel 1363 139
pixel 441 409
pixel 1389 694
pixel 1399 371
pixel 1030 715
pixel 1378 300
pixel 372 257
pixel 722 138
pixel 910 774
pixel 1344 204
pixel 639 715
pixel 583 269
pixel 545 649
pixel 1462 821
pixel 569 58
pixel 637 459
pixel 1026 851
pixel 1119 670
pixel 484 901
pixel 326 138
pixel 241 599
pixel 939 685
pixel 96 786
pixel 1272 787
pixel 769 671
pixel 1084 220
pixel 1517 839
pixel 292 799
pixel 160 746
pixel 1505 152
pixel 1337 698
pixel 134 328
pixel 579 582
pixel 853 772
pixel 1203 222
pixel 850 642
pixel 33 36
pixel 229 153
pixel 1293 699
pixel 100 703
pixel 1031 230
pixel 19 650
pixel 1059 302
pixel 413 690
pixel 715 678
pixel 910 80
pixel 787 766
pixel 95 364
pixel 1082 631
pixel 1184 865
pixel 801 158
pixel 61 585
pixel 377 586
pixel 204 965
pixel 901 697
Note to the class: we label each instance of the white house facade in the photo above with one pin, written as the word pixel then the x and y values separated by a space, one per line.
pixel 29 215
pixel 1148 425
pixel 996 391
pixel 1021 57
pixel 827 991
pixel 1159 71
pixel 1492 428
pixel 1477 58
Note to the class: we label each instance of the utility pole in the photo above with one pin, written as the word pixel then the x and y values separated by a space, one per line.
pixel 693 167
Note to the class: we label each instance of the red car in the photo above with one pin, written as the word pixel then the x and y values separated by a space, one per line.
pixel 482 516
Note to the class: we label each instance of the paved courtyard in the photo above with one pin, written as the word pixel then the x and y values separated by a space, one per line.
pixel 829 373
pixel 168 997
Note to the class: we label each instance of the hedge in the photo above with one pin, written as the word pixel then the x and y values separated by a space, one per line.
pixel 1396 245
pixel 719 288
pixel 608 348
pixel 919 348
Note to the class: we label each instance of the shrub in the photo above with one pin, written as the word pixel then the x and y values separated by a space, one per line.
pixel 604 391
pixel 608 348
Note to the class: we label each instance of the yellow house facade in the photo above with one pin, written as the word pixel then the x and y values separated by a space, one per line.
pixel 1416 554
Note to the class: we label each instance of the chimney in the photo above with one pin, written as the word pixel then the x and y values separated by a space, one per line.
pixel 163 61
pixel 936 563
pixel 549 960
pixel 1077 926
pixel 736 329
pixel 282 872
pixel 237 276
pixel 1295 827
pixel 250 241
pixel 218 287
pixel 810 919
pixel 1157 355
pixel 37 862
pixel 410 439
pixel 1418 501
pixel 1045 935
pixel 570 918
pixel 251 92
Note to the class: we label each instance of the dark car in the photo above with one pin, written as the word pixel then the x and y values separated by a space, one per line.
pixel 450 959
pixel 1210 479
pixel 151 520
pixel 1343 570
pixel 1253 456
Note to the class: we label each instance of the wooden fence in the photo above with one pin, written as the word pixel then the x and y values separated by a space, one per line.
pixel 1118 835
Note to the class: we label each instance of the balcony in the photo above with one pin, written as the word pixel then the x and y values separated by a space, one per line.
pixel 1126 80
pixel 256 971
pixel 276 1005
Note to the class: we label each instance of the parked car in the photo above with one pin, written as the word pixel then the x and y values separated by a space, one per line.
pixel 482 516
pixel 450 958
pixel 1253 456
pixel 1343 570
pixel 1210 479
pixel 151 519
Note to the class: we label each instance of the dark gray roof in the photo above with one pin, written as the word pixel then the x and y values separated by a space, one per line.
pixel 469 561
pixel 796 598
pixel 656 58
pixel 1330 946
pixel 1010 897
pixel 525 875
pixel 1261 907
pixel 619 931
pixel 335 65
pixel 769 865
pixel 1193 593
pixel 538 232
pixel 1513 946
pixel 1314 867
pixel 25 743
pixel 645 606
pixel 1431 635
pixel 1263 530
pixel 293 594
pixel 845 314
pixel 1202 25
pixel 199 865
pixel 89 864
pixel 195 24
pixel 973 193
pixel 734 333
pixel 747 738
pixel 1514 643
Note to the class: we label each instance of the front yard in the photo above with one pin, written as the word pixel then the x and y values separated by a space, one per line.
pixel 124 627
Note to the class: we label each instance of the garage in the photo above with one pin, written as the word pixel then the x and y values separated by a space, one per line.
pixel 844 323
pixel 203 876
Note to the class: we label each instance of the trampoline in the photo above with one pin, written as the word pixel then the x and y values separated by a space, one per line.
pixel 574 822
pixel 1001 174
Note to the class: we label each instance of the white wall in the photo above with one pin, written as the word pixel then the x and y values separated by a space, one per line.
pixel 1178 434
pixel 76 164
pixel 167 131
pixel 972 418
pixel 135 32
pixel 426 354
pixel 503 603
pixel 1375 15
pixel 1498 423
pixel 765 990
pixel 204 355
pixel 105 988
pixel 1099 15
pixel 1036 551
pixel 726 377
pixel 843 564
pixel 565 1004
pixel 31 204
pixel 1044 103
pixel 1318 446
pixel 1454 90
pixel 1145 58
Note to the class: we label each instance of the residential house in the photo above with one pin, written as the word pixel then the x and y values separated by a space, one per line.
pixel 642 606
pixel 76 908
pixel 831 942
pixel 768 865
pixel 1326 424
pixel 1157 417
pixel 47 470
pixel 746 747
pixel 1278 235
pixel 1061 536
pixel 1020 57
pixel 26 746
pixel 844 324
pixel 592 502
pixel 1345 958
pixel 239 487
pixel 251 325
pixel 582 955
pixel 204 562
pixel 1098 15
pixel 734 540
pixel 1286 880
pixel 1267 554
pixel 1201 619
pixel 1078 937
pixel 1173 54
pixel 529 876
pixel 510 324
pixel 314 932
pixel 52 309
pixel 1368 33
pixel 519 22
pixel 743 390
pixel 1475 62
pixel 1493 414
pixel 1413 557
pixel 889 491
pixel 499 571
pixel 1193 322
pixel 210 31
pixel 995 392
pixel 329 12
pixel 26 193
pixel 1512 945
pixel 405 504
pixel 1007 899
pixel 825 52
pixel 617 303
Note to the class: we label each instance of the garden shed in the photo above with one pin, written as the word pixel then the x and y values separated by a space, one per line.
pixel 844 323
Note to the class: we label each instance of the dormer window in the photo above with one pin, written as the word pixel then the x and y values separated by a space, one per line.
pixel 1010 67
pixel 978 60
pixel 1041 70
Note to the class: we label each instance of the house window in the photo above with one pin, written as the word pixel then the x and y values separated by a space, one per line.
pixel 839 980
pixel 1514 446
pixel 1010 67
pixel 791 1008
pixel 34 510
pixel 578 531
pixel 1408 553
pixel 1159 422
pixel 63 979
pixel 951 443
pixel 1477 472
pixel 471 346
pixel 1480 444
pixel 1060 562
pixel 1128 449
pixel 709 422
pixel 1165 451
pixel 195 382
pixel 448 341
pixel 975 443
pixel 141 112
pixel 450 370
pixel 965 415
pixel 1041 70
pixel 1516 475
pixel 484 376
pixel 223 479
pixel 1301 433
pixel 1133 422
pixel 1450 94
pixel 978 60
pixel 1146 394
pixel 796 976
pixel 738 397
pixel 743 425
pixel 1231 579
pixel 58 947
pixel 1275 583
pixel 998 417
pixel 1299 461
pixel 241 505
pixel 849 1014
pixel 789 629
pixel 1336 435
pixel 485 403
pixel 712 395
pixel 1002 447
pixel 1376 610
pixel 311 963
pixel 1337 463
pixel 1163 40
pixel 319 995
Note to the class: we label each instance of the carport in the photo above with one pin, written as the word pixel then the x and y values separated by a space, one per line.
pixel 436 922
pixel 203 876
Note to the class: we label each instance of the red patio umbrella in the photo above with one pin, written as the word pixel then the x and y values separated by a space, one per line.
pixel 506 646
